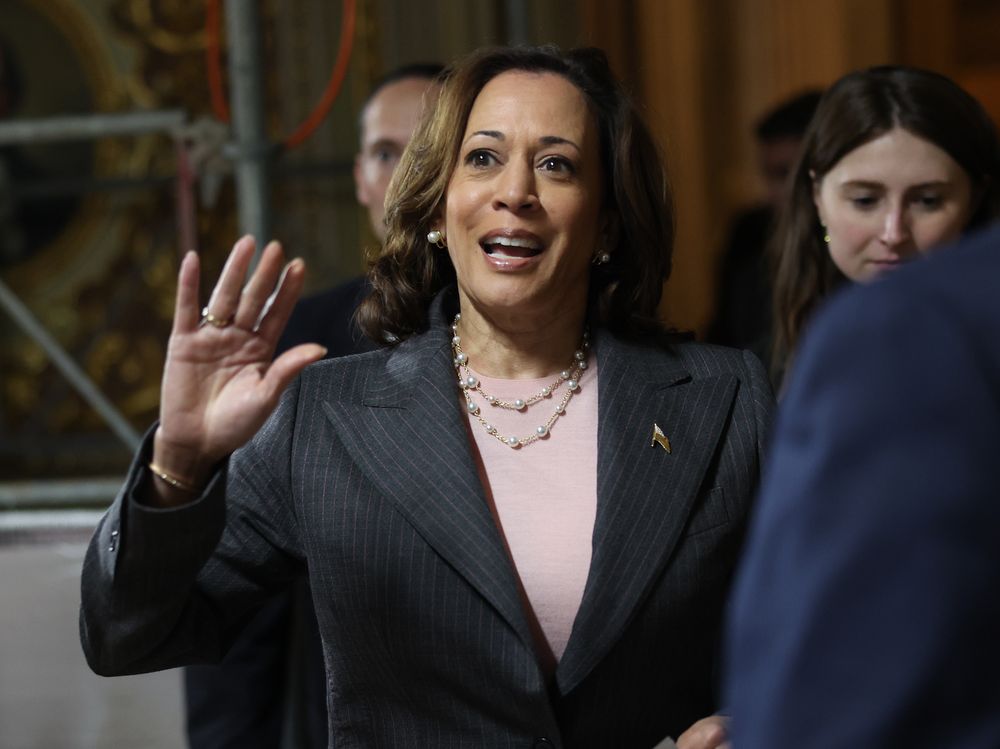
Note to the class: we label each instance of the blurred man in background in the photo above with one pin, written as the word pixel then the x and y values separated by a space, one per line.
pixel 744 287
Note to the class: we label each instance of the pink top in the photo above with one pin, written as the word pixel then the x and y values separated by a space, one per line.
pixel 544 497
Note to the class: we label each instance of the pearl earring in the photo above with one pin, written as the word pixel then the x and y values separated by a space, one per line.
pixel 436 237
pixel 602 259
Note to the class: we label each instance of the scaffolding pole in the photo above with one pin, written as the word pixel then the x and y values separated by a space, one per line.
pixel 518 17
pixel 69 368
pixel 89 492
pixel 89 126
pixel 251 149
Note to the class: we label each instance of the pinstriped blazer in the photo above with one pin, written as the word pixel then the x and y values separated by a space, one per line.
pixel 365 477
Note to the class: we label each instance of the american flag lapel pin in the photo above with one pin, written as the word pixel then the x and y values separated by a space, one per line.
pixel 659 438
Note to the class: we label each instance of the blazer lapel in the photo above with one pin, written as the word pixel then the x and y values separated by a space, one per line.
pixel 410 438
pixel 644 493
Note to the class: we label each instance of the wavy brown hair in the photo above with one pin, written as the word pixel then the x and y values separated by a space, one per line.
pixel 625 293
pixel 858 108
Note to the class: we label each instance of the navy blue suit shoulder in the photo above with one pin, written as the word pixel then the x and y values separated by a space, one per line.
pixel 865 607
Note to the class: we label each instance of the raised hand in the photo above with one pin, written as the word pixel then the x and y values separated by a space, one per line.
pixel 219 382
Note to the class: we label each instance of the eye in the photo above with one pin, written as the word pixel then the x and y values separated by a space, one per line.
pixel 863 202
pixel 929 200
pixel 480 159
pixel 383 153
pixel 557 165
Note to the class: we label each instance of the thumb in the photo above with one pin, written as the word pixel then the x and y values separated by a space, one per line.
pixel 284 369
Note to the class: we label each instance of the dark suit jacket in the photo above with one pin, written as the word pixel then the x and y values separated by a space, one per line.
pixel 327 318
pixel 868 604
pixel 744 288
pixel 365 474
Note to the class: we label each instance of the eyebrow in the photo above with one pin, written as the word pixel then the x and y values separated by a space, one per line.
pixel 873 185
pixel 861 183
pixel 545 140
pixel 383 143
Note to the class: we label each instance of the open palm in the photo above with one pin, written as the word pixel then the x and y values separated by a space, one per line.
pixel 219 382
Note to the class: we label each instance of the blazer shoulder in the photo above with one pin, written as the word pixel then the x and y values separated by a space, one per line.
pixel 708 360
pixel 681 360
pixel 343 378
pixel 754 394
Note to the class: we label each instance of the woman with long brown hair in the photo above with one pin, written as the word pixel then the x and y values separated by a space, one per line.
pixel 896 162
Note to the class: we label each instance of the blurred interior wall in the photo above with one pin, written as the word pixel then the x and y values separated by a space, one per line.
pixel 705 71
pixel 960 38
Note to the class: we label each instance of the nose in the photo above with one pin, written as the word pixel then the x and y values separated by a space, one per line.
pixel 895 227
pixel 516 189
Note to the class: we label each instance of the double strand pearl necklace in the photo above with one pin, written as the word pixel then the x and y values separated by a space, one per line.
pixel 469 383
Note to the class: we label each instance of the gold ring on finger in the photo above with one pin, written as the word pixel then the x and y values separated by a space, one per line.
pixel 216 322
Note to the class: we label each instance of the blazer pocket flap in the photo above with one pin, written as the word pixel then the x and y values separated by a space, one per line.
pixel 709 513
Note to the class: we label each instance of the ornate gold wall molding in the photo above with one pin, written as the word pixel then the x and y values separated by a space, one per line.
pixel 103 284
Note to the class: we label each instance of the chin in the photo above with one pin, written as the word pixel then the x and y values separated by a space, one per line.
pixel 510 294
pixel 876 271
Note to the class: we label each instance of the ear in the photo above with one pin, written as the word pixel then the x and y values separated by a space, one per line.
pixel 439 219
pixel 360 190
pixel 610 226
pixel 817 186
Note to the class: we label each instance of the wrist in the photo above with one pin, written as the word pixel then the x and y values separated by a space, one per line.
pixel 172 481
pixel 181 467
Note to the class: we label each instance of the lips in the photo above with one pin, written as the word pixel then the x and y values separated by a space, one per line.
pixel 511 245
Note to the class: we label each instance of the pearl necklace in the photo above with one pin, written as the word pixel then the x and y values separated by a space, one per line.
pixel 469 383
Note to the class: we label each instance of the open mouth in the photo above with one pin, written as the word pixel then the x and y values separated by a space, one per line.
pixel 510 247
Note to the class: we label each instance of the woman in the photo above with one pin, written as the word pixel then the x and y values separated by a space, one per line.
pixel 895 162
pixel 535 554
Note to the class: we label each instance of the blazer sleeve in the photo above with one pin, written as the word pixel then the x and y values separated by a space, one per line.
pixel 168 587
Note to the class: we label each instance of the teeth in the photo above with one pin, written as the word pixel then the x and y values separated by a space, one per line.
pixel 499 254
pixel 514 242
